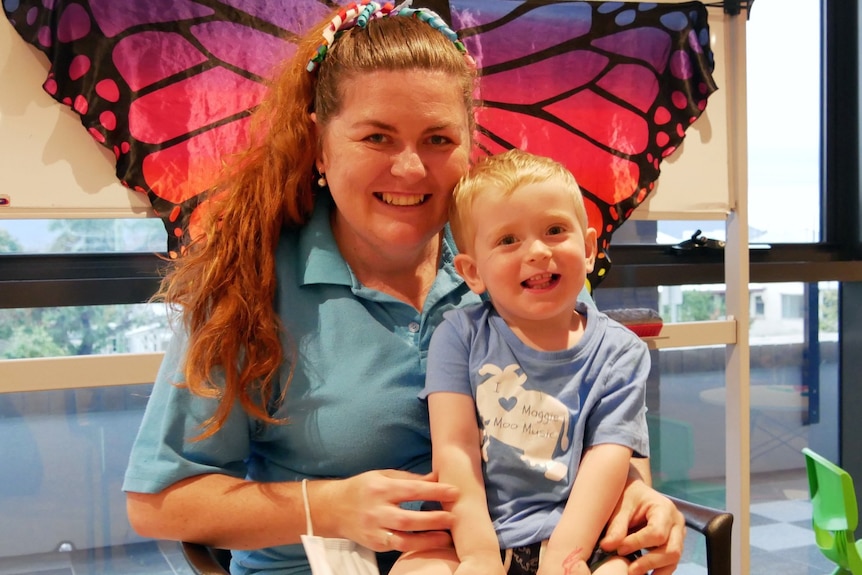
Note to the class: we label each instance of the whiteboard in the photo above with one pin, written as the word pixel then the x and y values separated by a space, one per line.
pixel 50 167
pixel 695 182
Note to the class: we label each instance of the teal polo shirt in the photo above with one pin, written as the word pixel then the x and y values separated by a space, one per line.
pixel 358 359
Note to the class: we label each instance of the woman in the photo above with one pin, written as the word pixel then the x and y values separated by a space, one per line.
pixel 308 310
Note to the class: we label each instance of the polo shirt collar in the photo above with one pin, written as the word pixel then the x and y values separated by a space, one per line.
pixel 318 252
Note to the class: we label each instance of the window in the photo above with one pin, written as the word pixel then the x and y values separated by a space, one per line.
pixel 758 306
pixel 792 306
pixel 82 235
pixel 83 330
pixel 783 87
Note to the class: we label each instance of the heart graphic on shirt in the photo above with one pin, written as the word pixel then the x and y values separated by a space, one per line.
pixel 508 403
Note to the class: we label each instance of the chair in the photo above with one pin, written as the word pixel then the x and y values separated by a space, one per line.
pixel 715 525
pixel 672 457
pixel 834 513
pixel 206 560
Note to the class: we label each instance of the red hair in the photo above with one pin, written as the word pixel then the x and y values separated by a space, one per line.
pixel 224 284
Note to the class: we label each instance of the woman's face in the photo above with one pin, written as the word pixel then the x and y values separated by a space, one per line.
pixel 392 156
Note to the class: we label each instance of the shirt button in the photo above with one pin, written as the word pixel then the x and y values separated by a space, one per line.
pixel 413 327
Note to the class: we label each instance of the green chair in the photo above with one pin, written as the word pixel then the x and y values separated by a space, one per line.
pixel 834 513
pixel 672 458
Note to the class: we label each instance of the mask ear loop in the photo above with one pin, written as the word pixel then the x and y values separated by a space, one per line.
pixel 307 507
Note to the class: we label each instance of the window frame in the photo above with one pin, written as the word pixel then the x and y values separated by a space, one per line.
pixel 53 280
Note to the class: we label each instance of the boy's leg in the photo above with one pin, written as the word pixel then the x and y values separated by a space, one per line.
pixel 615 565
pixel 603 563
pixel 434 562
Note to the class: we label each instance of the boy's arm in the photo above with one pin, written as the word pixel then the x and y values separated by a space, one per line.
pixel 601 477
pixel 456 450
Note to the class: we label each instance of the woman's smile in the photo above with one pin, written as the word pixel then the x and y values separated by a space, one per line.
pixel 401 199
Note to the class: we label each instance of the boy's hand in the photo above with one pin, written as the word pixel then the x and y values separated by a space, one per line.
pixel 573 564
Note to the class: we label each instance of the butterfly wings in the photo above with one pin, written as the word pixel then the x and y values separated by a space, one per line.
pixel 608 88
pixel 168 85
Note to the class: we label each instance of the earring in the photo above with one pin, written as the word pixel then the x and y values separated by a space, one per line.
pixel 321 181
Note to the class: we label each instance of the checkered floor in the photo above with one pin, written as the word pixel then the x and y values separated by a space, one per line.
pixel 781 541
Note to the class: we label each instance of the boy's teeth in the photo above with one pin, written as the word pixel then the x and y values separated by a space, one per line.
pixel 402 199
pixel 539 281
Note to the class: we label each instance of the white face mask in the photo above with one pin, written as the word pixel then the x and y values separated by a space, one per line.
pixel 333 556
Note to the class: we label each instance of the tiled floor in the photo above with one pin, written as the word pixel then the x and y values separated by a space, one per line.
pixel 152 558
pixel 781 543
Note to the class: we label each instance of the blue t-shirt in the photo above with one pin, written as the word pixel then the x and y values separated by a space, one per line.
pixel 351 406
pixel 538 410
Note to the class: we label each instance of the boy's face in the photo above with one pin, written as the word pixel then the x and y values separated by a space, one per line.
pixel 529 252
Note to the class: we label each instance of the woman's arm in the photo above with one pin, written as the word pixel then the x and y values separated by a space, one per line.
pixel 232 513
pixel 457 459
pixel 601 477
pixel 639 469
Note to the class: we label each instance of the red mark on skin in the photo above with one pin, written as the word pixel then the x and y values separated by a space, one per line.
pixel 570 561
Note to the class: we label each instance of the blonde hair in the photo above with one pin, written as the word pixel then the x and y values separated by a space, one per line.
pixel 503 174
pixel 225 282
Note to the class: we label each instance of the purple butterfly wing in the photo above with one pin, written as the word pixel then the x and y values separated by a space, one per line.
pixel 168 85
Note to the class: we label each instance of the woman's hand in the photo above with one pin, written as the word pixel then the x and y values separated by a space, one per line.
pixel 366 509
pixel 658 527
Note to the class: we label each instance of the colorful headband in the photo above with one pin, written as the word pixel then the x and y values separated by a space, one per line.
pixel 359 15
